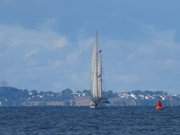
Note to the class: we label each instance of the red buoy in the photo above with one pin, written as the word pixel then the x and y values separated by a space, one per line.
pixel 159 105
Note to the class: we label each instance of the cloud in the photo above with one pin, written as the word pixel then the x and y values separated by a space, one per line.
pixel 18 36
pixel 29 42
pixel 23 50
pixel 31 54
pixel 149 63
pixel 83 47
pixel 47 60
pixel 36 58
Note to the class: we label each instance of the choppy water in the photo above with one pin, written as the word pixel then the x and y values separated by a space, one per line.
pixel 85 121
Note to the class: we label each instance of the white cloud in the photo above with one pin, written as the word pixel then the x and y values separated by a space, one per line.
pixel 14 36
pixel 46 59
pixel 25 51
pixel 28 43
pixel 83 47
pixel 31 53
pixel 35 55
pixel 149 63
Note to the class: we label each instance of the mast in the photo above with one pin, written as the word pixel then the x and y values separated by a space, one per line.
pixel 96 70
pixel 99 74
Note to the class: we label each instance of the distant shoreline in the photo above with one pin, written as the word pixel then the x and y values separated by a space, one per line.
pixel 13 97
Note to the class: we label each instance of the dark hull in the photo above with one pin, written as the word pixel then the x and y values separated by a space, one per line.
pixel 98 102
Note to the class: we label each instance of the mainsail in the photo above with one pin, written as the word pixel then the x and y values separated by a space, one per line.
pixel 96 76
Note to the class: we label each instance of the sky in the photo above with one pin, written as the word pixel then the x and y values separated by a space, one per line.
pixel 47 44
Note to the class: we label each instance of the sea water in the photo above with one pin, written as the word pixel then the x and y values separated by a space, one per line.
pixel 86 121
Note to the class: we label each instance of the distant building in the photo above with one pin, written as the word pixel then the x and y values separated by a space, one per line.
pixel 82 101
pixel 55 103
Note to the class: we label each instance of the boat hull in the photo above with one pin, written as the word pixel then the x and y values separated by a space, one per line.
pixel 99 102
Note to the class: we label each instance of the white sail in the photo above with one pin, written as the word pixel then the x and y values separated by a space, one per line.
pixel 96 71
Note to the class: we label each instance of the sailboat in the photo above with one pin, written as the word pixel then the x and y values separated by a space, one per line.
pixel 96 76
